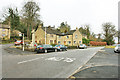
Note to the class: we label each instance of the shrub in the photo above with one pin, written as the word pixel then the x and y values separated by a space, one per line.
pixel 53 44
pixel 85 41
pixel 72 47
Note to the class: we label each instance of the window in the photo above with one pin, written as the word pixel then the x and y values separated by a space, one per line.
pixel 74 42
pixel 3 30
pixel 67 36
pixel 75 36
pixel 80 42
pixel 59 36
pixel 3 35
pixel 58 42
pixel 69 42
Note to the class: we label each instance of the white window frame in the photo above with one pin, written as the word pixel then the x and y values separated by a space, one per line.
pixel 80 42
pixel 59 36
pixel 69 41
pixel 59 41
pixel 74 42
pixel 76 36
pixel 67 37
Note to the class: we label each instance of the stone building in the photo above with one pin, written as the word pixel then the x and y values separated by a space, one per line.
pixel 4 31
pixel 53 36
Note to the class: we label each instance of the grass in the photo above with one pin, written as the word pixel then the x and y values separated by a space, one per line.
pixel 109 46
pixel 6 42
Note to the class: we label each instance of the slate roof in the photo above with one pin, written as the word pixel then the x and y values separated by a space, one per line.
pixel 51 31
pixel 4 26
pixel 57 32
pixel 70 32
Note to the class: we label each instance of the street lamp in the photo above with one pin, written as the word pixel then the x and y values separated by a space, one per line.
pixel 20 34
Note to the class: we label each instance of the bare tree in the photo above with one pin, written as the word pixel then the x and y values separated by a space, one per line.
pixel 109 32
pixel 31 16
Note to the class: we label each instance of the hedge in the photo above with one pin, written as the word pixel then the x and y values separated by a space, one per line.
pixel 93 43
pixel 72 47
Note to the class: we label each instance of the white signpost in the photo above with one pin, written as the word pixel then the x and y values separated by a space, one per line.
pixel 20 34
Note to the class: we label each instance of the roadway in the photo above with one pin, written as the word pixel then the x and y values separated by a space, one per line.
pixel 50 65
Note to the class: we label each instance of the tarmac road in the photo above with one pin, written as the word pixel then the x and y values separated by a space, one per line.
pixel 103 65
pixel 51 65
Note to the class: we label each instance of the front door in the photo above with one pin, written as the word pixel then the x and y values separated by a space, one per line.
pixel 64 42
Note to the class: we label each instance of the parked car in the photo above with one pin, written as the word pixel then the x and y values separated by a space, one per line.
pixel 117 49
pixel 37 47
pixel 82 46
pixel 18 42
pixel 61 47
pixel 46 48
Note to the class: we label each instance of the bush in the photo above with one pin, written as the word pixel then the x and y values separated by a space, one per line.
pixel 53 44
pixel 72 47
pixel 85 41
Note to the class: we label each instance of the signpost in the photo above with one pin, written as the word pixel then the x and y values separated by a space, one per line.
pixel 20 34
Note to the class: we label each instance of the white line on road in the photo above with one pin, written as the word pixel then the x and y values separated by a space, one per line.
pixel 28 60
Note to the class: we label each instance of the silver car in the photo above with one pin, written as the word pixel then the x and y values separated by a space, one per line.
pixel 82 46
pixel 117 49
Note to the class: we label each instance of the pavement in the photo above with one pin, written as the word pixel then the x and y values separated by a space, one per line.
pixel 103 65
pixel 15 51
pixel 51 65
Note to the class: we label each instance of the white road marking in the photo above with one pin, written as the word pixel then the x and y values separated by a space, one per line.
pixel 69 59
pixel 55 58
pixel 28 60
pixel 60 59
pixel 102 50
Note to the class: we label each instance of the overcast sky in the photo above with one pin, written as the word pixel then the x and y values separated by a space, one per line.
pixel 75 12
